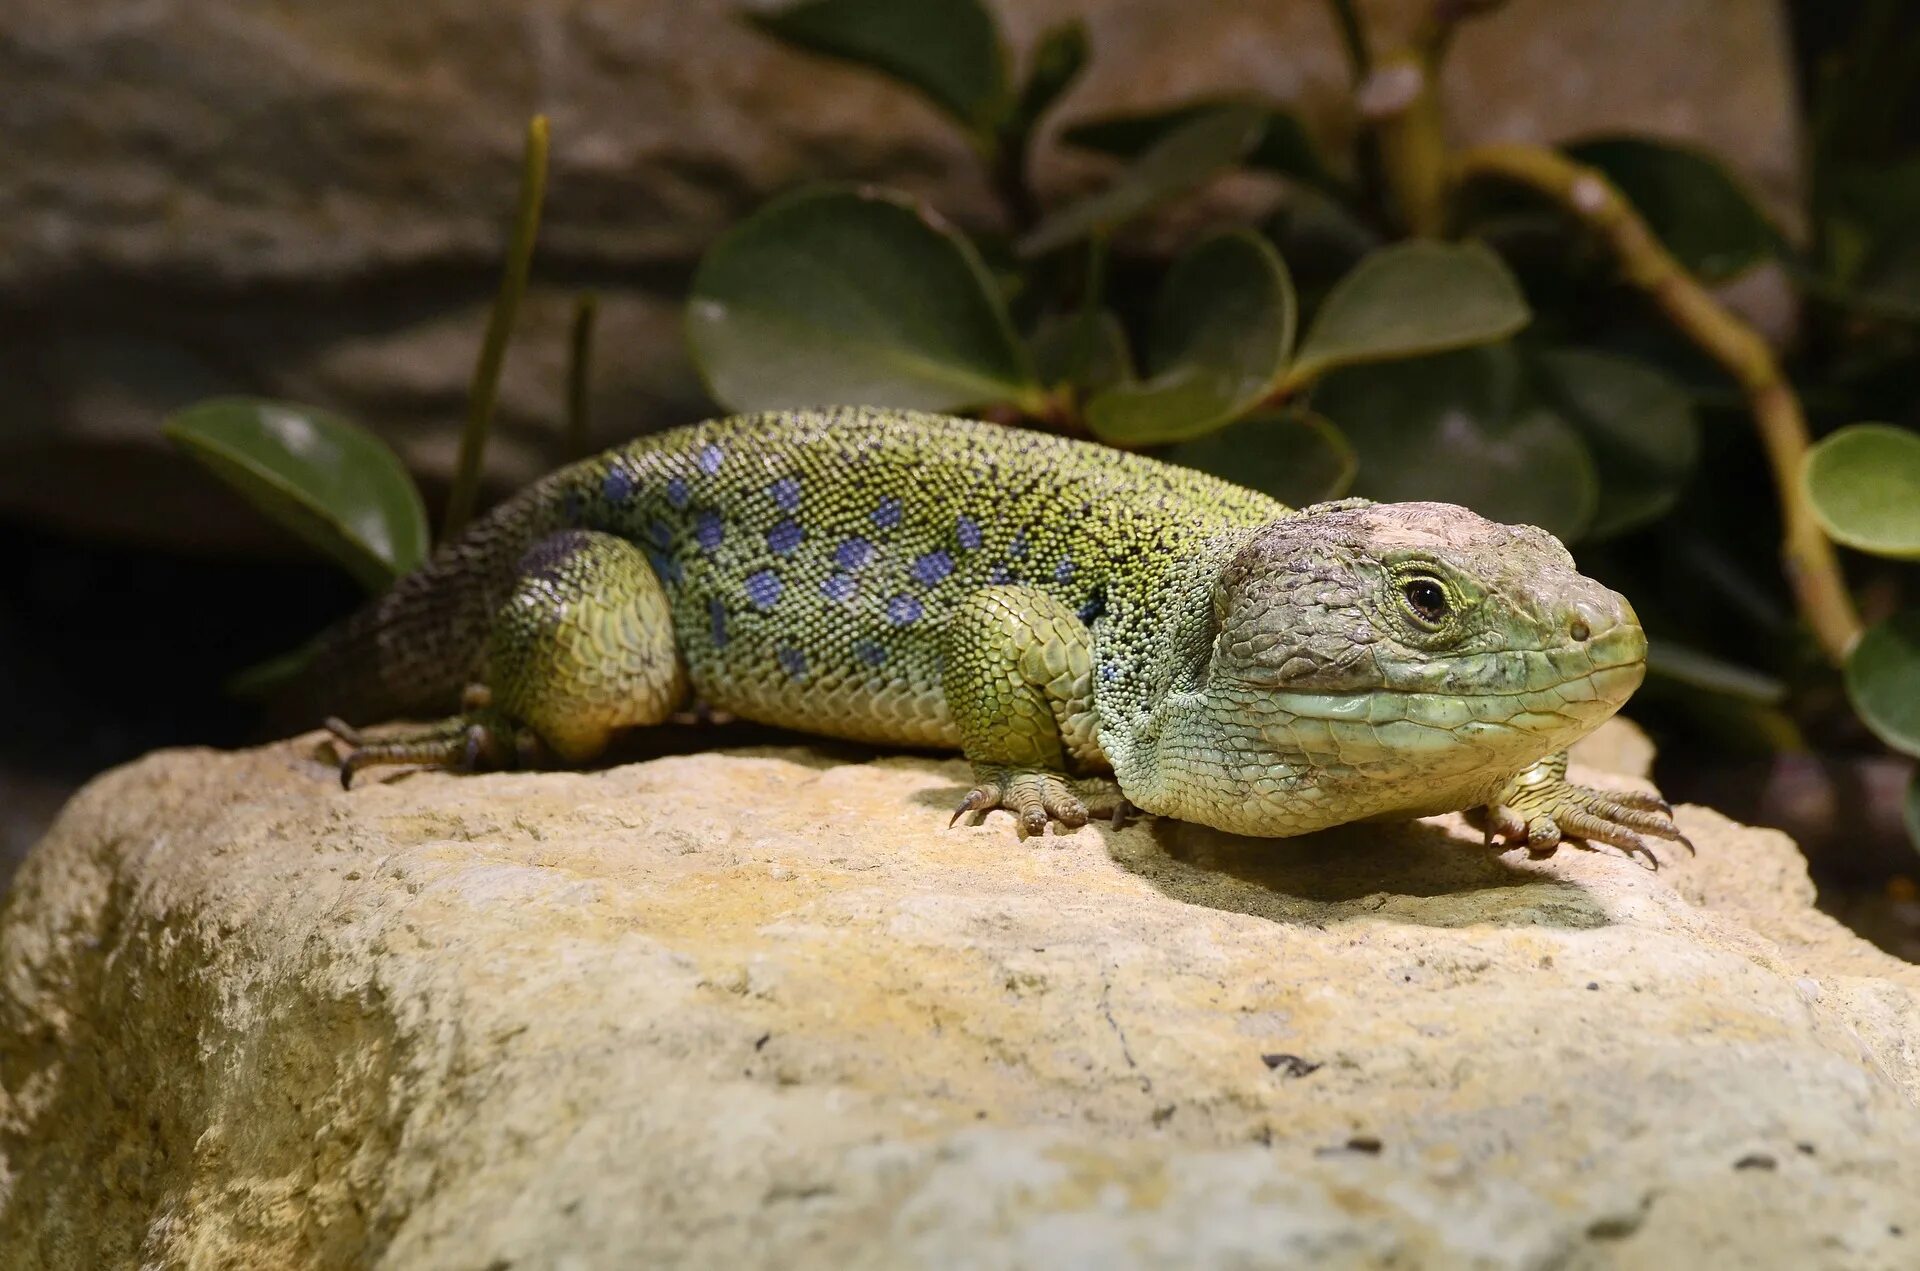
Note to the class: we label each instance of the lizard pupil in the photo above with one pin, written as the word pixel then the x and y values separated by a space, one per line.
pixel 1428 598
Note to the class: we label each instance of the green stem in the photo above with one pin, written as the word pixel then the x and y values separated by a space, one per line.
pixel 579 372
pixel 485 389
pixel 1353 38
pixel 1087 334
pixel 1811 565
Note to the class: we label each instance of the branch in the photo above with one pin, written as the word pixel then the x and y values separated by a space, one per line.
pixel 1400 101
pixel 1812 568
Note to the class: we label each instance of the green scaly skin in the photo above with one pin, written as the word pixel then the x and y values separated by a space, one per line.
pixel 1092 628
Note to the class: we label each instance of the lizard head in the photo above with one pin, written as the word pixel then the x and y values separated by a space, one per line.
pixel 1371 660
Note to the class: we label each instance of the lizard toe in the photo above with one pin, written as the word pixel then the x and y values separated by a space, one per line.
pixel 1038 799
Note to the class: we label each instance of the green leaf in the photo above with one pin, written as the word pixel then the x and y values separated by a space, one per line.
pixel 1294 456
pixel 948 50
pixel 1638 425
pixel 1883 680
pixel 1696 668
pixel 1864 484
pixel 1409 299
pixel 1460 428
pixel 333 483
pixel 1221 334
pixel 1180 161
pixel 1058 58
pixel 838 297
pixel 1690 201
pixel 1090 356
pixel 1283 146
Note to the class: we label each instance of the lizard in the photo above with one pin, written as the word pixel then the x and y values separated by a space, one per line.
pixel 1096 630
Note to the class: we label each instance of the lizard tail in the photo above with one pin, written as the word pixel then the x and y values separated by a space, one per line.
pixel 411 651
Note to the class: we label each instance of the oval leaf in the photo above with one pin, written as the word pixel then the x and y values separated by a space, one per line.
pixel 1690 201
pixel 1220 339
pixel 1457 428
pixel 1283 146
pixel 1638 425
pixel 1864 484
pixel 1883 680
pixel 837 297
pixel 1409 299
pixel 333 483
pixel 1209 143
pixel 1296 457
pixel 947 49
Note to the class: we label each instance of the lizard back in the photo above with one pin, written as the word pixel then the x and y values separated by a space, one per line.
pixel 811 557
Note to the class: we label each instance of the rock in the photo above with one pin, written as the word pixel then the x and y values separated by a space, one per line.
pixel 758 1008
pixel 200 197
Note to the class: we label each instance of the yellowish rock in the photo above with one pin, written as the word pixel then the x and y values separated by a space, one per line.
pixel 759 1009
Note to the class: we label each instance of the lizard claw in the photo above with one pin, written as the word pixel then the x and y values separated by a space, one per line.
pixel 1037 799
pixel 474 742
pixel 1540 807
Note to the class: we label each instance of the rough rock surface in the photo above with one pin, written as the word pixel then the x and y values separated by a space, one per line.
pixel 207 196
pixel 758 1009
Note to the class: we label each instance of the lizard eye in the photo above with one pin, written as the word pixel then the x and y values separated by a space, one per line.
pixel 1427 601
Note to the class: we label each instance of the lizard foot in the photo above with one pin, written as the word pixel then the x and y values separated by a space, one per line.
pixel 1540 807
pixel 1037 798
pixel 477 741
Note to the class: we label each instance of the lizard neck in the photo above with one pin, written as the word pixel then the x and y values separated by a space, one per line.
pixel 1151 664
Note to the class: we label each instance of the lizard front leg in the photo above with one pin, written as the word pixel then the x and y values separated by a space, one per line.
pixel 1019 683
pixel 582 647
pixel 1540 807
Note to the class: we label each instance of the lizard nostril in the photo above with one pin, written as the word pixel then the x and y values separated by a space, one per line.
pixel 1580 631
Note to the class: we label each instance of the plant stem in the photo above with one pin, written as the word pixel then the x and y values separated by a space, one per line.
pixel 1400 102
pixel 1353 38
pixel 1092 293
pixel 1812 567
pixel 485 388
pixel 579 368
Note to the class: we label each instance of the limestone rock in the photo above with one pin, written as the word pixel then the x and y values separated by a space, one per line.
pixel 211 196
pixel 758 1009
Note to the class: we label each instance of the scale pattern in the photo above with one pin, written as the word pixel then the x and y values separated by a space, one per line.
pixel 1056 609
pixel 810 560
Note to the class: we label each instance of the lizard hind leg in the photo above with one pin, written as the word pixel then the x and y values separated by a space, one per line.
pixel 1019 683
pixel 582 648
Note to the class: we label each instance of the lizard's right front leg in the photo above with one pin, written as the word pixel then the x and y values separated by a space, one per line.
pixel 1019 683
pixel 582 648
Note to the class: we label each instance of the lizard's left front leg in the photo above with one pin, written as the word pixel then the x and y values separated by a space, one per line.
pixel 1019 683
pixel 582 648
pixel 1540 807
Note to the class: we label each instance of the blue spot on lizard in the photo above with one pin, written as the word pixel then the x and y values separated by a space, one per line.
pixel 784 537
pixel 764 588
pixel 708 530
pixel 903 609
pixel 932 567
pixel 854 554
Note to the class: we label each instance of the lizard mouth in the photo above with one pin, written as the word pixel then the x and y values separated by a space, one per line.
pixel 1528 705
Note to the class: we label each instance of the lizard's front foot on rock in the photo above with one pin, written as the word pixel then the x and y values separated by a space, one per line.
pixel 477 741
pixel 1540 807
pixel 1035 798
